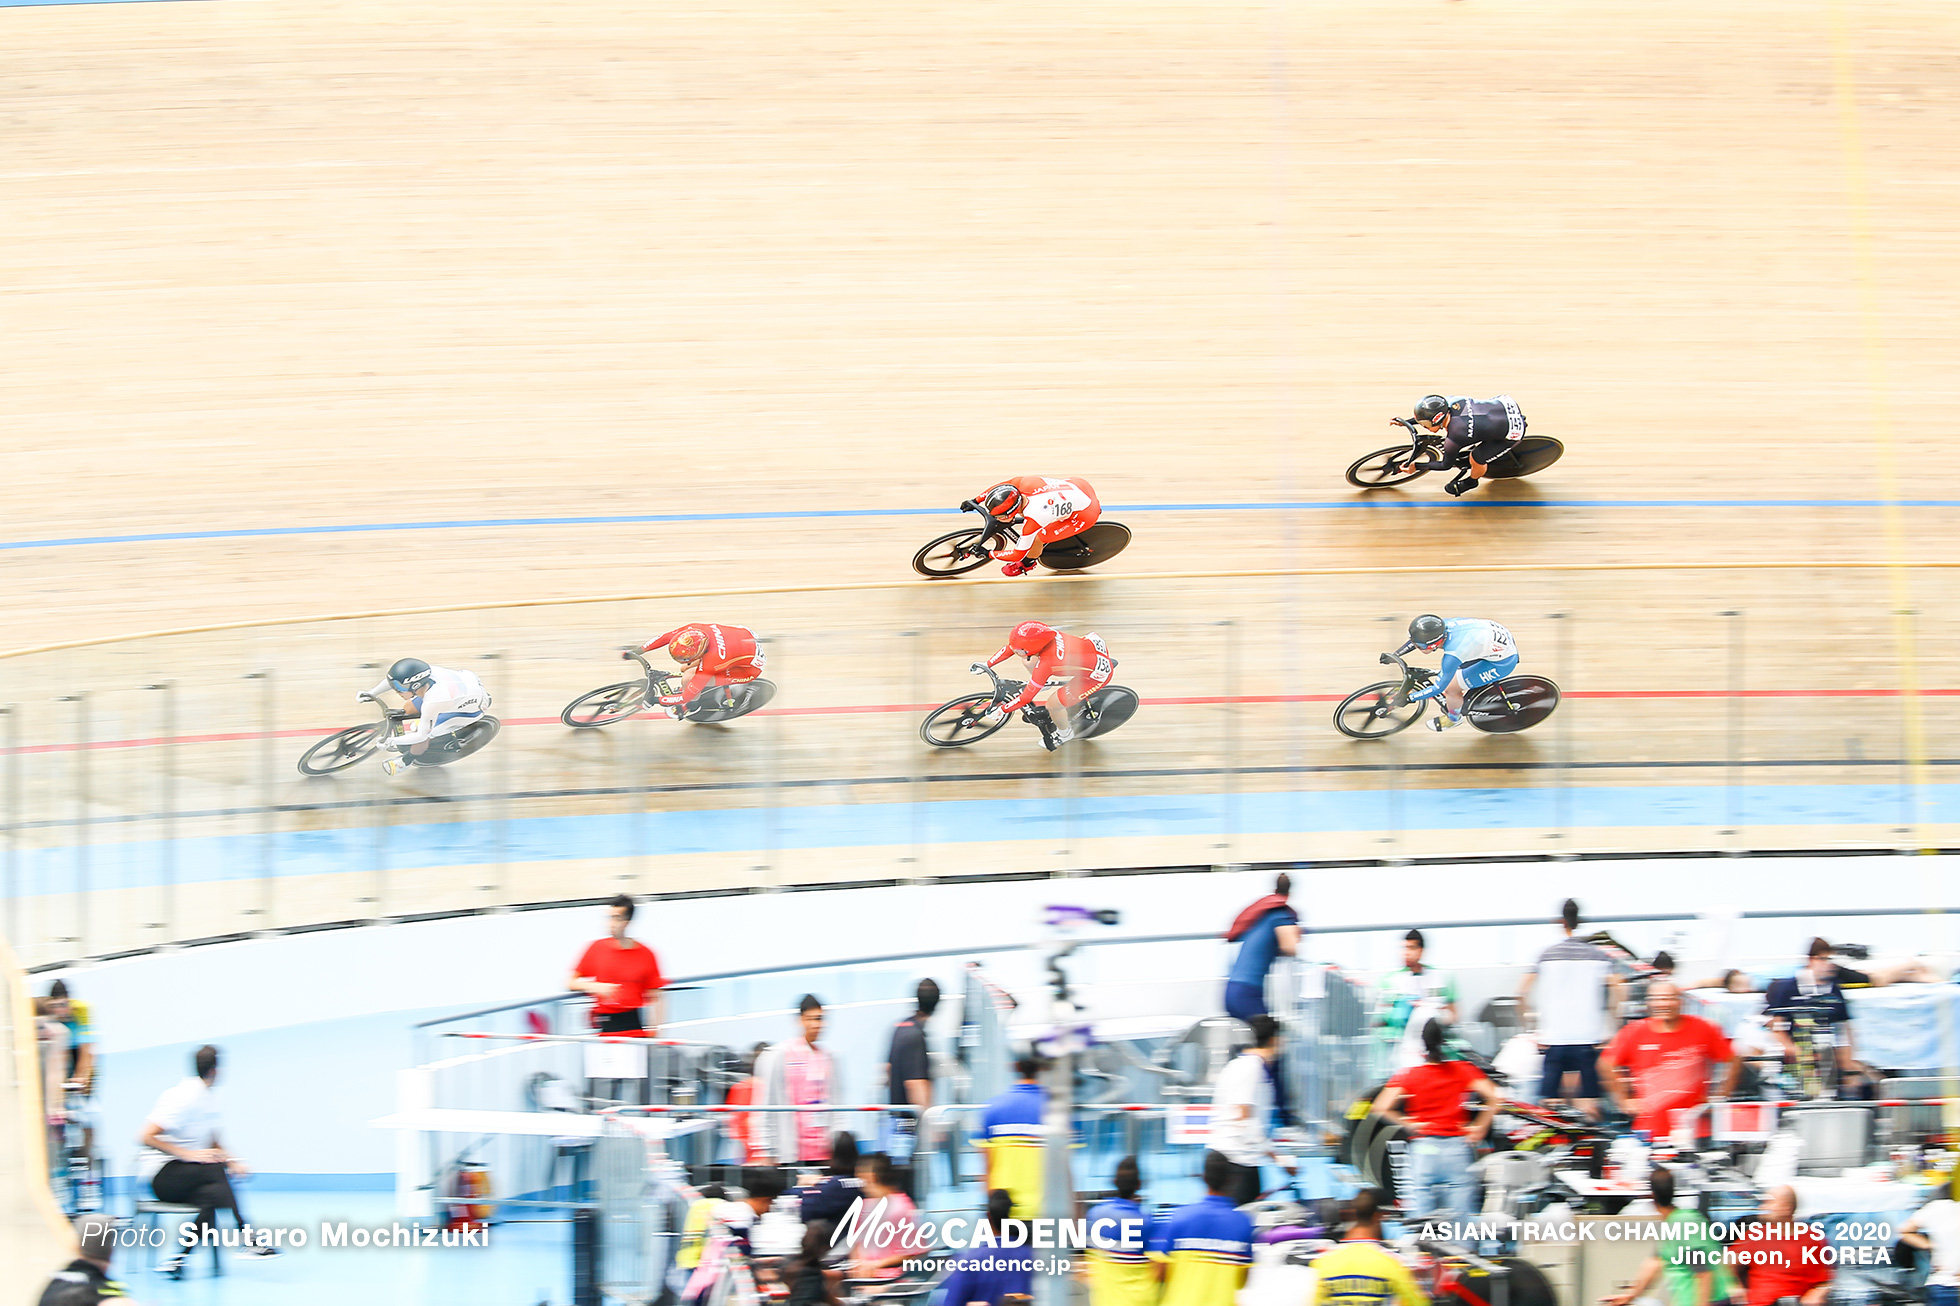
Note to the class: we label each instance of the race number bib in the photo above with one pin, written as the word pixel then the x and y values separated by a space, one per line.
pixel 1515 416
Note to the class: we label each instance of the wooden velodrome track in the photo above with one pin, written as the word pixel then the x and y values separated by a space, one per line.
pixel 275 267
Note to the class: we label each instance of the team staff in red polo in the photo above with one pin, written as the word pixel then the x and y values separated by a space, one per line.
pixel 1774 1256
pixel 622 975
pixel 1670 1056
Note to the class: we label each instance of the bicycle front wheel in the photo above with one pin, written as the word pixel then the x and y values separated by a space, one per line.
pixel 602 707
pixel 1383 468
pixel 960 722
pixel 1376 713
pixel 954 554
pixel 342 749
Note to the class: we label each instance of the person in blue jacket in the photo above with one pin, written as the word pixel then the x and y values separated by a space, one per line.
pixel 988 1272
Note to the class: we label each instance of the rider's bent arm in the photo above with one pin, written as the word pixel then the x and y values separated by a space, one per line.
pixel 1444 674
pixel 660 641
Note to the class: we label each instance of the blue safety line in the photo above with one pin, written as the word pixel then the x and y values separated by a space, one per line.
pixel 665 518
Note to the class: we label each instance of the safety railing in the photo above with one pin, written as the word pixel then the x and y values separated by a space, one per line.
pixel 150 792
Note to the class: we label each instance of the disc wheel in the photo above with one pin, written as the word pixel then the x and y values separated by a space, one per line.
pixel 1532 454
pixel 953 554
pixel 1512 704
pixel 748 696
pixel 1382 468
pixel 472 738
pixel 960 722
pixel 1372 713
pixel 602 707
pixel 1099 543
pixel 1104 710
pixel 342 749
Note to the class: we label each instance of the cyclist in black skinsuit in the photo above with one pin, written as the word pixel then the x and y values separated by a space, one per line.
pixel 1475 432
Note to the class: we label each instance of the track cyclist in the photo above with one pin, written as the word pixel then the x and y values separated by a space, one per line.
pixel 1475 431
pixel 1077 665
pixel 1475 653
pixel 437 701
pixel 716 656
pixel 1041 510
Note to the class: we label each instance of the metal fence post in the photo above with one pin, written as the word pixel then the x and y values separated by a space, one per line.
pixel 1229 745
pixel 12 713
pixel 166 913
pixel 82 831
pixel 1735 814
pixel 266 817
pixel 500 783
pixel 1562 778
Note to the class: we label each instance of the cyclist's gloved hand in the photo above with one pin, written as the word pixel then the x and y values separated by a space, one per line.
pixel 626 655
pixel 997 715
pixel 1387 660
pixel 977 669
pixel 365 697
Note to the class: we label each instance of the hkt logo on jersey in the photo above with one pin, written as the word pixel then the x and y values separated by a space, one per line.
pixel 870 1228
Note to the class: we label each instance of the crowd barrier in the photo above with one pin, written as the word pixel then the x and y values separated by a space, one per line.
pixel 150 794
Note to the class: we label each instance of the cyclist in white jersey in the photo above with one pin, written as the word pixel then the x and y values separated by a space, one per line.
pixel 1475 652
pixel 437 701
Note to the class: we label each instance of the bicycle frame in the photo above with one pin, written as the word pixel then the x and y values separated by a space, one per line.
pixel 1005 690
pixel 1413 678
pixel 660 687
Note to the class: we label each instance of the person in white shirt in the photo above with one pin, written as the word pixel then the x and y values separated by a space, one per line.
pixel 185 1160
pixel 1242 1108
pixel 437 701
pixel 1935 1228
pixel 1576 989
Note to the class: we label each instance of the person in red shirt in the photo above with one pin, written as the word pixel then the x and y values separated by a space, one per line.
pixel 1775 1255
pixel 1438 1112
pixel 716 656
pixel 1671 1057
pixel 1038 510
pixel 622 975
pixel 1076 664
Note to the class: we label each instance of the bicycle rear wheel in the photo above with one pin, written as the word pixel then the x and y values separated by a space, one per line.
pixel 1373 713
pixel 342 749
pixel 1103 711
pixel 953 554
pixel 1534 453
pixel 472 738
pixel 1512 704
pixel 748 696
pixel 1382 468
pixel 1099 543
pixel 960 722
pixel 602 707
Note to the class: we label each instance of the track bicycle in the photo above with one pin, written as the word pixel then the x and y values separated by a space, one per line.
pixel 661 688
pixel 343 748
pixel 963 721
pixel 1383 468
pixel 971 547
pixel 1502 708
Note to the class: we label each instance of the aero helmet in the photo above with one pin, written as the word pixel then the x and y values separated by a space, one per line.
pixel 688 646
pixel 1001 501
pixel 410 673
pixel 1430 407
pixel 1031 637
pixel 1426 630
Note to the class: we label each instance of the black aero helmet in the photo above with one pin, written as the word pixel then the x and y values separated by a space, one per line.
pixel 1430 407
pixel 1426 630
pixel 409 673
pixel 1001 501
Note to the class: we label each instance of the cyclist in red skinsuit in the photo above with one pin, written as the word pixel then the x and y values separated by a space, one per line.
pixel 716 656
pixel 1039 510
pixel 1076 664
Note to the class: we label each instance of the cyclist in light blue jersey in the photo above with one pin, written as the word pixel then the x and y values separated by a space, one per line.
pixel 1475 653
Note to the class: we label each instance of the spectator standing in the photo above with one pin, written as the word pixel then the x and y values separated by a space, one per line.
pixel 81 1037
pixel 745 1128
pixel 1575 984
pixel 1360 1271
pixel 908 1074
pixel 1671 1057
pixel 830 1199
pixel 1811 1003
pixel 1013 1267
pixel 1935 1228
pixel 1242 1108
pixel 1775 1257
pixel 623 977
pixel 1436 1093
pixel 1206 1247
pixel 796 1072
pixel 85 1280
pixel 1409 999
pixel 185 1160
pixel 1689 1262
pixel 1265 931
pixel 1120 1270
pixel 1011 1135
